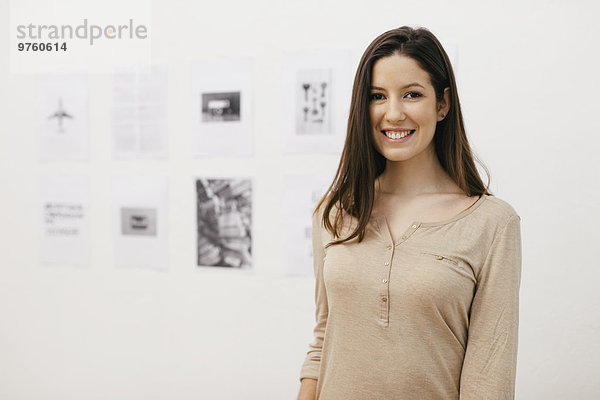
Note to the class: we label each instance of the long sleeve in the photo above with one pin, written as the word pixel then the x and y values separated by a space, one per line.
pixel 489 366
pixel 310 368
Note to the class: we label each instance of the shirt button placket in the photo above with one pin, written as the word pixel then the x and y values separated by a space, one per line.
pixel 383 301
pixel 385 289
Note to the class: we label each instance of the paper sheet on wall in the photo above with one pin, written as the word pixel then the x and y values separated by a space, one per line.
pixel 302 193
pixel 317 87
pixel 222 101
pixel 65 222
pixel 140 208
pixel 62 117
pixel 139 112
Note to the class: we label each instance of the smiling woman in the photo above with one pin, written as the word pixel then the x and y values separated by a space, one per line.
pixel 418 274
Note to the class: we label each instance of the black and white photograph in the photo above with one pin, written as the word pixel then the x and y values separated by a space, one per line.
pixel 313 101
pixel 222 106
pixel 140 216
pixel 224 222
pixel 138 221
pixel 59 115
pixel 217 107
pixel 316 87
pixel 62 117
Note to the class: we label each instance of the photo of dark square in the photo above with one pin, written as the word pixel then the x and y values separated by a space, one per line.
pixel 220 107
pixel 138 221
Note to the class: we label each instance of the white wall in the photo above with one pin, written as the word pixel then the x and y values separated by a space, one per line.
pixel 529 82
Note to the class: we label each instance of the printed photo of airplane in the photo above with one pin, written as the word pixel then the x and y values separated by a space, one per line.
pixel 60 114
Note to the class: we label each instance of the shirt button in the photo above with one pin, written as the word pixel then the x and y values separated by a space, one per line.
pixel 439 257
pixel 389 247
pixel 414 226
pixel 404 237
pixel 387 263
pixel 384 281
pixel 384 299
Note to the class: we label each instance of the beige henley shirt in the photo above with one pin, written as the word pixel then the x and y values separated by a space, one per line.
pixel 434 316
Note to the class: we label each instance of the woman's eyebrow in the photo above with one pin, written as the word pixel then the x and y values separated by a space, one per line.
pixel 403 87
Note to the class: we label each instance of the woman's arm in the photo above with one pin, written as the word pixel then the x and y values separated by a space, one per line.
pixel 489 367
pixel 310 368
pixel 308 389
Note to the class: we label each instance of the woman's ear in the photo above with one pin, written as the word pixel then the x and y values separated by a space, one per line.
pixel 444 105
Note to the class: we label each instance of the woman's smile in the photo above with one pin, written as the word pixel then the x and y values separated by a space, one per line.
pixel 398 136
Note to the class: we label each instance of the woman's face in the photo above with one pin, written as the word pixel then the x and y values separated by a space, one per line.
pixel 402 100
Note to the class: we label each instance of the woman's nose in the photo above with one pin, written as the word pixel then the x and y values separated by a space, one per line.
pixel 395 111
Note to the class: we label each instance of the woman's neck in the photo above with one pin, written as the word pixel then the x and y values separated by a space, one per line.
pixel 420 175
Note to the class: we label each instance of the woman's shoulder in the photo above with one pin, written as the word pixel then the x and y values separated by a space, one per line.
pixel 485 224
pixel 319 210
pixel 498 210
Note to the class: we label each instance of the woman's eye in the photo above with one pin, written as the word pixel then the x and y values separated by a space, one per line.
pixel 413 94
pixel 376 96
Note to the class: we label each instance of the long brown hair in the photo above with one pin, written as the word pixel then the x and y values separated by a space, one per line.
pixel 353 188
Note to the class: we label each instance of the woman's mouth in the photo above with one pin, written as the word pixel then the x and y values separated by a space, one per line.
pixel 398 136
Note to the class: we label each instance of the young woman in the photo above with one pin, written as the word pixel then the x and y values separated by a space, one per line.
pixel 417 264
